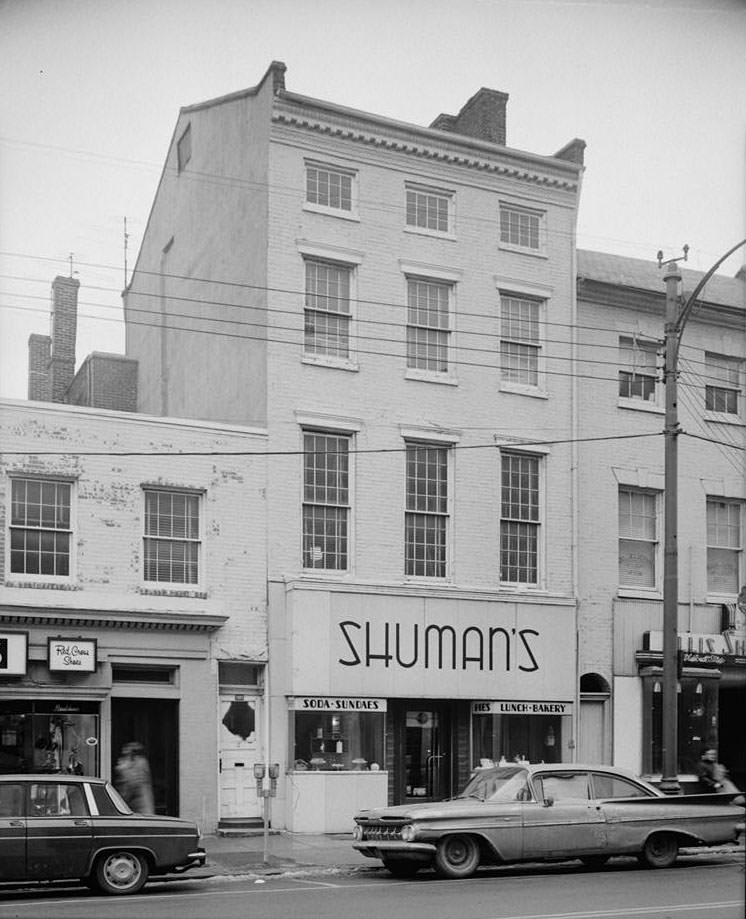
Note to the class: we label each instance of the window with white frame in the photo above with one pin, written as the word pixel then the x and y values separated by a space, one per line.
pixel 172 538
pixel 638 371
pixel 326 500
pixel 428 325
pixel 638 538
pixel 426 514
pixel 429 209
pixel 40 527
pixel 329 187
pixel 521 228
pixel 327 309
pixel 520 340
pixel 725 539
pixel 723 377
pixel 520 518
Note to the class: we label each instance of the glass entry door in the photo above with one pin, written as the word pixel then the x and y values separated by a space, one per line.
pixel 423 752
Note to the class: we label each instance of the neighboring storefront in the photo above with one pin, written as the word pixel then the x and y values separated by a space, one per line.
pixel 75 687
pixel 711 698
pixel 396 698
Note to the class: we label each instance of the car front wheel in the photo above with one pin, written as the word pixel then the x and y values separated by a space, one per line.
pixel 121 872
pixel 660 851
pixel 457 857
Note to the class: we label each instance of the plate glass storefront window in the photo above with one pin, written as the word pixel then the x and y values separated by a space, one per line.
pixel 536 738
pixel 336 741
pixel 36 738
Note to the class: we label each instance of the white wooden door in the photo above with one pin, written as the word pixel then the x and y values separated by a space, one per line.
pixel 240 748
pixel 592 731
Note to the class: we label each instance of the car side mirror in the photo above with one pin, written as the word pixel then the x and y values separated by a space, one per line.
pixel 548 801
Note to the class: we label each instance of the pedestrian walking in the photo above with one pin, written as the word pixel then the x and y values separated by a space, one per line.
pixel 133 779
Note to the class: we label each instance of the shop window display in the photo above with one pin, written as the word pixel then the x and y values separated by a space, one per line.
pixel 32 740
pixel 336 741
pixel 517 738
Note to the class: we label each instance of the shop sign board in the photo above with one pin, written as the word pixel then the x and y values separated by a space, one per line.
pixel 709 648
pixel 335 704
pixel 72 654
pixel 13 653
pixel 521 707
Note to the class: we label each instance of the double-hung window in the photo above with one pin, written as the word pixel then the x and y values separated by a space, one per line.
pixel 326 500
pixel 426 517
pixel 520 340
pixel 172 538
pixel 40 527
pixel 725 538
pixel 330 188
pixel 428 325
pixel 327 309
pixel 639 538
pixel 521 228
pixel 723 377
pixel 520 518
pixel 638 371
pixel 429 210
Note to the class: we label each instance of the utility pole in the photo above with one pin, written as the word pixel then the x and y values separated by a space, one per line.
pixel 675 319
pixel 669 777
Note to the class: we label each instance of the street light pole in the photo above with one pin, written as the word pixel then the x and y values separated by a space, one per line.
pixel 675 320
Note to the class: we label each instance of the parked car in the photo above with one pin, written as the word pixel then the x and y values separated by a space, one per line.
pixel 69 827
pixel 546 812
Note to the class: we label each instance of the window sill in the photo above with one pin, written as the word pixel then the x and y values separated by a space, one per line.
pixel 331 212
pixel 724 418
pixel 517 389
pixel 522 250
pixel 433 234
pixel 423 376
pixel 641 593
pixel 638 405
pixel 51 584
pixel 190 592
pixel 331 363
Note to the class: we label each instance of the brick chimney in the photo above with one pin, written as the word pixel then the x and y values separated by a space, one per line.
pixel 39 388
pixel 482 117
pixel 64 328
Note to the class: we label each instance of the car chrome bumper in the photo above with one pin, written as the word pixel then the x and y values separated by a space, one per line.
pixel 383 848
pixel 195 859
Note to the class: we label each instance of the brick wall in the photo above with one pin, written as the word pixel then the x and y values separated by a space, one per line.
pixel 39 384
pixel 106 381
pixel 64 330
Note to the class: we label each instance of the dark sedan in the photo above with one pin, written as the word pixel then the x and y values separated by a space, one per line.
pixel 545 812
pixel 67 827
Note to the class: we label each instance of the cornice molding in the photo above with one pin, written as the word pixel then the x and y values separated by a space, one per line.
pixel 124 620
pixel 432 151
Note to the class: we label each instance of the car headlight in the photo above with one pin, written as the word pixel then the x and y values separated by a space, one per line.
pixel 357 833
pixel 408 832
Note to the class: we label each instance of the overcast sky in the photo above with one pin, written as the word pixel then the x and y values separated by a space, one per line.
pixel 91 90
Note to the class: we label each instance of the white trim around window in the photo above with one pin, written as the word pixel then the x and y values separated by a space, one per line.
pixel 173 538
pixel 522 323
pixel 429 293
pixel 522 229
pixel 726 539
pixel 429 211
pixel 639 541
pixel 330 189
pixel 521 546
pixel 639 384
pixel 724 381
pixel 428 515
pixel 344 263
pixel 41 521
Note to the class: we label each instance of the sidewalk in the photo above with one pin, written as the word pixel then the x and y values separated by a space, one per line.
pixel 244 854
pixel 235 855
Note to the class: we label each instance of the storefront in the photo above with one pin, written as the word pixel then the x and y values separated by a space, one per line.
pixel 390 699
pixel 73 693
pixel 711 701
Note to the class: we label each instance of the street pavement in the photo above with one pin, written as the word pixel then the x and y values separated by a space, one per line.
pixel 235 855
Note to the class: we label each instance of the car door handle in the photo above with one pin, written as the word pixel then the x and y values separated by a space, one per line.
pixel 82 823
pixel 16 822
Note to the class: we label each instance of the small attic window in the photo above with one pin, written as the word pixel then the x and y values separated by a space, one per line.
pixel 184 148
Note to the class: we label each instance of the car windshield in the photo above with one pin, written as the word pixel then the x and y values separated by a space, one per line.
pixel 502 783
